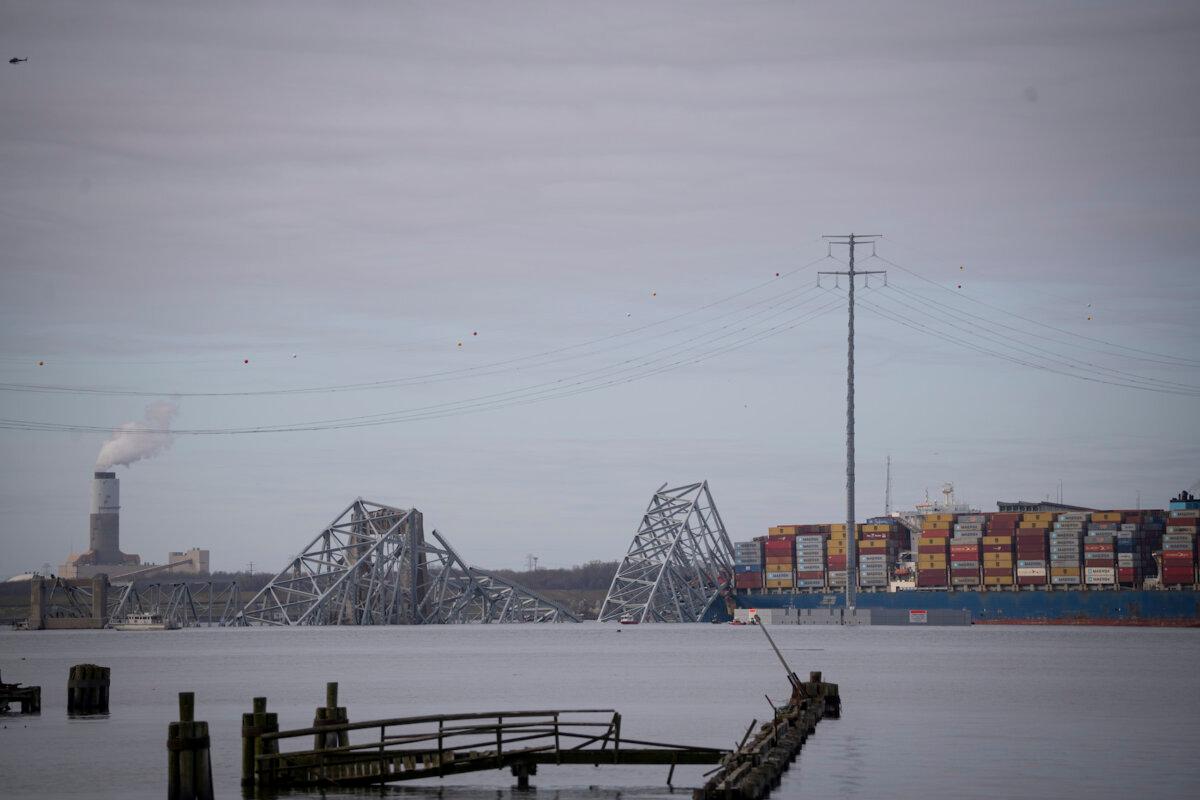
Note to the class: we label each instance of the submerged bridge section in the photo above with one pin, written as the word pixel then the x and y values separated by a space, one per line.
pixel 70 603
pixel 679 564
pixel 373 565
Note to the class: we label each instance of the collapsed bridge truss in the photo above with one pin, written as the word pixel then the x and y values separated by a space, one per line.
pixel 373 566
pixel 679 563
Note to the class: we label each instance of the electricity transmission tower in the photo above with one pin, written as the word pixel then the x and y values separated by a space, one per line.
pixel 850 240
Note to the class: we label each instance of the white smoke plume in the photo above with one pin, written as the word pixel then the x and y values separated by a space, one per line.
pixel 134 441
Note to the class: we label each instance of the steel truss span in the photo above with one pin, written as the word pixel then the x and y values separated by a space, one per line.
pixel 373 566
pixel 180 603
pixel 680 561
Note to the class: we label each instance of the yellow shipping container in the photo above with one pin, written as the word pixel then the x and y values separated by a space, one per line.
pixel 1034 523
pixel 837 527
pixel 932 560
pixel 1043 516
pixel 931 540
pixel 939 518
pixel 873 544
pixel 1055 571
pixel 781 584
pixel 875 528
pixel 835 550
pixel 997 540
pixel 1106 516
pixel 999 580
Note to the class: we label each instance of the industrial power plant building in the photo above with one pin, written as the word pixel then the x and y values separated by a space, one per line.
pixel 104 555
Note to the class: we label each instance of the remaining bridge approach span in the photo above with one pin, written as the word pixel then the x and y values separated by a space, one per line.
pixel 680 561
pixel 373 566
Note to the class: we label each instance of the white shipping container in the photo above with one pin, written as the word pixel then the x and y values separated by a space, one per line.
pixel 1031 572
pixel 778 576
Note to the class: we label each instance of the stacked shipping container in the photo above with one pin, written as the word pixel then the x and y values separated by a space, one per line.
pixel 1179 544
pixel 747 565
pixel 1070 550
pixel 835 557
pixel 779 559
pixel 1066 548
pixel 1100 551
pixel 810 558
pixel 876 554
pixel 933 551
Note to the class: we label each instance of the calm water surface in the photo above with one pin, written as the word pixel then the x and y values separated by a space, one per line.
pixel 935 713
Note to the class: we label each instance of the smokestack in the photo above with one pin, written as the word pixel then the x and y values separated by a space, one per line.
pixel 105 534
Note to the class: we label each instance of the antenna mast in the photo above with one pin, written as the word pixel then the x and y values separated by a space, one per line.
pixel 850 240
pixel 887 493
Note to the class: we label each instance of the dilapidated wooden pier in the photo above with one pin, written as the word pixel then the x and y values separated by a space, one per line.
pixel 411 748
pixel 28 698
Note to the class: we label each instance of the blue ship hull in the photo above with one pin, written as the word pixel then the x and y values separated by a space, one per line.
pixel 1125 607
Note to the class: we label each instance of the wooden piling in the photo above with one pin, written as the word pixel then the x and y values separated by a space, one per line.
pixel 757 766
pixel 87 689
pixel 330 715
pixel 189 763
pixel 254 725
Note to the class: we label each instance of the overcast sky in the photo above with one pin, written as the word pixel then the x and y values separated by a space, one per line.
pixel 342 193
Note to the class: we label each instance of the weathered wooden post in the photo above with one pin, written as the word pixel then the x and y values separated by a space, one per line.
pixel 189 765
pixel 329 716
pixel 87 689
pixel 254 725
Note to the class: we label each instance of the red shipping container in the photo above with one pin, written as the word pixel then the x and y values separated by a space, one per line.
pixel 780 544
pixel 874 535
pixel 810 576
pixel 749 580
pixel 1100 562
pixel 1027 580
pixel 935 531
pixel 1098 547
pixel 997 548
pixel 996 572
pixel 964 573
pixel 1177 555
pixel 964 549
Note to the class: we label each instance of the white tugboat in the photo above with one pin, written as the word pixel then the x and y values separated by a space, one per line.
pixel 144 622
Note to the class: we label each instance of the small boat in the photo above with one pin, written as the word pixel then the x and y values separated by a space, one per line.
pixel 144 622
pixel 627 619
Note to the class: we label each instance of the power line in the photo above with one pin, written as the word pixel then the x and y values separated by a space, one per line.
pixel 1021 346
pixel 907 322
pixel 532 394
pixel 444 375
pixel 1172 359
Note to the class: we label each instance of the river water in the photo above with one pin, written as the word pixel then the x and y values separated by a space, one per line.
pixel 987 711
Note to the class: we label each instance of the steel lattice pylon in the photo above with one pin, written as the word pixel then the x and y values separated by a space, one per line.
pixel 679 562
pixel 373 566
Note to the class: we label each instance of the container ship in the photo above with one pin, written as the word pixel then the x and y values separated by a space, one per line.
pixel 1023 564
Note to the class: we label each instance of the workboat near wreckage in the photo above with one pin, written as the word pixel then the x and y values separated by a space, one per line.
pixel 144 622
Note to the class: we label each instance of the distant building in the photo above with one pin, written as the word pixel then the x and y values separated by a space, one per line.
pixel 1035 507
pixel 190 562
